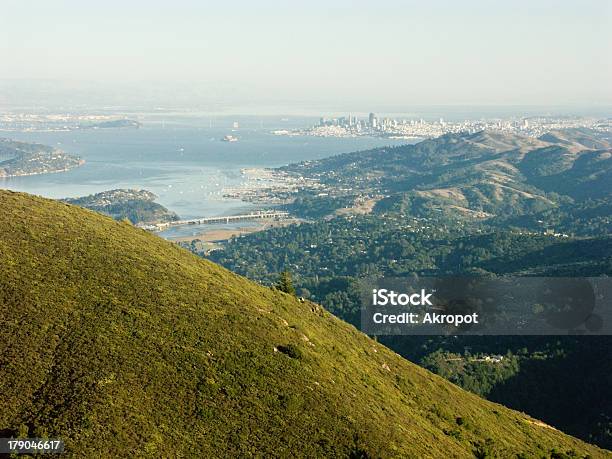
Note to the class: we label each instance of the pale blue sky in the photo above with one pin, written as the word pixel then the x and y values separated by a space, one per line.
pixel 355 53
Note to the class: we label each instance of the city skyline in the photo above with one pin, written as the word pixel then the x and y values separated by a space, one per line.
pixel 417 127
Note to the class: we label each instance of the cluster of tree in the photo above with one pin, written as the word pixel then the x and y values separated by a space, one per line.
pixel 591 217
pixel 478 373
pixel 312 206
pixel 563 380
pixel 393 246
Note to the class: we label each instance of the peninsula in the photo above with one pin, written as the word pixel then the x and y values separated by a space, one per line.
pixel 21 158
pixel 137 206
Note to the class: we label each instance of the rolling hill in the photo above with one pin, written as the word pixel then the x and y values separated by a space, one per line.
pixel 578 137
pixel 123 344
pixel 481 175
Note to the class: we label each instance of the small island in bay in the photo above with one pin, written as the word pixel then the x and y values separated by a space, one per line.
pixel 113 124
pixel 138 206
pixel 22 158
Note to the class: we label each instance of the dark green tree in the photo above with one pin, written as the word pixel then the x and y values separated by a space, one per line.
pixel 285 284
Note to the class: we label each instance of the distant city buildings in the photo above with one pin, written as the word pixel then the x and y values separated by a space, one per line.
pixel 533 126
pixel 373 120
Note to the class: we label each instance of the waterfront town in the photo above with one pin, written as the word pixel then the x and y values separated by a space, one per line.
pixel 404 128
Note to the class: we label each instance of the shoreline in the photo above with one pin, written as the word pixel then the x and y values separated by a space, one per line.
pixel 224 234
pixel 56 171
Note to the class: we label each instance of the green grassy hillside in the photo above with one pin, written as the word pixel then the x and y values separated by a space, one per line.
pixel 124 345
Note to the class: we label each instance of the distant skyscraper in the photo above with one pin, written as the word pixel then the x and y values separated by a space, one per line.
pixel 372 119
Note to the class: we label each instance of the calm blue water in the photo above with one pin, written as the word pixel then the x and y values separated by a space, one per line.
pixel 185 163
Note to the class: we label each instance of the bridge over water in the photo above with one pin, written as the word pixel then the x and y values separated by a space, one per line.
pixel 271 214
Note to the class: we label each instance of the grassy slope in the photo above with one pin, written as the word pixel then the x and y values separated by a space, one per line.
pixel 124 344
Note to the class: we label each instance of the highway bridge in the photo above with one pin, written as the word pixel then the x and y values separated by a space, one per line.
pixel 268 214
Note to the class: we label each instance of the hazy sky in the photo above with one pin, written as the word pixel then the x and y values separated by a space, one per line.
pixel 351 54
